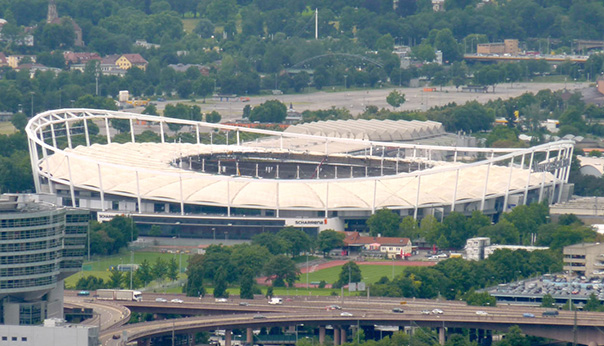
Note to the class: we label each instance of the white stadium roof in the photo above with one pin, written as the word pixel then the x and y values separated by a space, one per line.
pixel 373 130
pixel 150 171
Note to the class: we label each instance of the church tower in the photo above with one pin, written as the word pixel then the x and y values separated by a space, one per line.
pixel 52 12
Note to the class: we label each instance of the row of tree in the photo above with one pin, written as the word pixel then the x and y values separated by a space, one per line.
pixel 147 272
pixel 524 225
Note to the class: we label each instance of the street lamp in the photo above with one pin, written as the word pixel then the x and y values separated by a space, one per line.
pixel 131 250
pixel 214 232
pixel 345 83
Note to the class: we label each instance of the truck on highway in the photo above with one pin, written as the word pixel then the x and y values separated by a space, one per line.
pixel 108 294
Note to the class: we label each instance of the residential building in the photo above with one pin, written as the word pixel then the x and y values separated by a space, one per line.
pixel 15 60
pixel 40 245
pixel 475 248
pixel 388 247
pixel 127 61
pixel 80 57
pixel 509 46
pixel 204 70
pixel 585 259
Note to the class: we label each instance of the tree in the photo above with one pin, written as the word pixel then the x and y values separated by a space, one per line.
pixel 283 269
pixel 194 286
pixel 213 117
pixel 295 239
pixel 19 120
pixel 204 28
pixel 350 273
pixel 547 301
pixel 395 99
pixel 220 284
pixel 329 239
pixel 144 273
pixel 172 271
pixel 275 245
pixel 160 269
pixel 384 222
pixel 593 303
pixel 247 285
pixel 116 278
pixel 480 299
pixel 271 111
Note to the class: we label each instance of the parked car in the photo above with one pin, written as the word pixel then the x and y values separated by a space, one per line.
pixel 161 300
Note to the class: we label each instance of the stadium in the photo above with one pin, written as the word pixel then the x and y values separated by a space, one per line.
pixel 197 179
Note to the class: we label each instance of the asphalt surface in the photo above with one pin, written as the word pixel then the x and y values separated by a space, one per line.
pixel 357 100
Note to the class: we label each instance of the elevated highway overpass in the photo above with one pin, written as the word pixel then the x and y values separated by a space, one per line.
pixel 584 327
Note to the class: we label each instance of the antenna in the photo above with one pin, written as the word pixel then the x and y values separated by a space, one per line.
pixel 316 23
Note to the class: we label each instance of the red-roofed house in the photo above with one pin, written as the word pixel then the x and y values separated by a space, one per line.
pixel 126 61
pixel 389 247
pixel 80 58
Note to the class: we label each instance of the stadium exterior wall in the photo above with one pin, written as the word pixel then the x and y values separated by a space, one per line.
pixel 147 181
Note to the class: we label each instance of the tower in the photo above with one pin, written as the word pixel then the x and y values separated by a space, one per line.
pixel 52 12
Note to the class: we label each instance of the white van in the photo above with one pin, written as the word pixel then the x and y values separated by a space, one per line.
pixel 276 301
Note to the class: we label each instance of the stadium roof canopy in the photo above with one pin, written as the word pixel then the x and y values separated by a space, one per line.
pixel 373 130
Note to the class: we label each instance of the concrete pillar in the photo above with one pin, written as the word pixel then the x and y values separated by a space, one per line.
pixel 227 337
pixel 191 339
pixel 336 336
pixel 441 336
pixel 321 335
pixel 343 335
pixel 249 336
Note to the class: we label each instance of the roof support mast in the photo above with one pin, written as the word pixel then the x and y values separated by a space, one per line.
pixel 316 23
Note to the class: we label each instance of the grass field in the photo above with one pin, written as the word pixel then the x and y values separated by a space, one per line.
pixel 189 24
pixel 7 128
pixel 370 273
pixel 100 268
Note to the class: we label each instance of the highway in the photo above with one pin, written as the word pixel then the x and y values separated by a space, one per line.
pixel 312 310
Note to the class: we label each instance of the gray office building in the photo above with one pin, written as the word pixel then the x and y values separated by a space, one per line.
pixel 40 245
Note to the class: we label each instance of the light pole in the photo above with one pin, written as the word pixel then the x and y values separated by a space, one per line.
pixel 214 232
pixel 131 250
pixel 307 270
pixel 345 81
pixel 32 104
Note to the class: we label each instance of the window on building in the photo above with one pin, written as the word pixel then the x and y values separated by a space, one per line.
pixel 115 205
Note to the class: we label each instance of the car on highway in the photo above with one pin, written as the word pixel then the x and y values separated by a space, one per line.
pixel 244 303
pixel 346 314
pixel 425 312
pixel 221 300
pixel 528 315
pixel 116 336
pixel 398 310
pixel 437 312
pixel 482 313
pixel 161 300
pixel 83 293
pixel 259 317
pixel 176 300
pixel 552 313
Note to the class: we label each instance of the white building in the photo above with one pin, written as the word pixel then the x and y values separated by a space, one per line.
pixel 475 248
pixel 50 334
pixel 488 251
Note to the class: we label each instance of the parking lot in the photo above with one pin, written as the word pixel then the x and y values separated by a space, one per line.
pixel 561 288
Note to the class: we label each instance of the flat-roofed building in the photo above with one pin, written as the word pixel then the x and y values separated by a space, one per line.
pixel 585 259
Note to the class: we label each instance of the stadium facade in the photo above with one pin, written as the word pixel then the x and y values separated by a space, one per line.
pixel 213 180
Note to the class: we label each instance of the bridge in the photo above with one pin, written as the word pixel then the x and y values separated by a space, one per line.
pixel 581 327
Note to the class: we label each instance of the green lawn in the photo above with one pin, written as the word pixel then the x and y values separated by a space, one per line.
pixel 189 24
pixel 100 267
pixel 7 128
pixel 370 273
